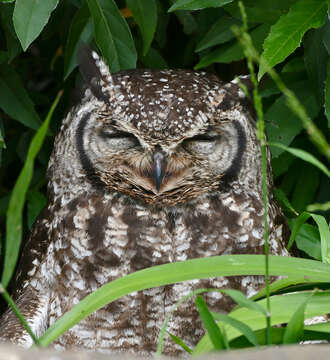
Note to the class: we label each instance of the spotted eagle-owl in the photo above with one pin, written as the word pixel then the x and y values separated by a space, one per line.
pixel 151 167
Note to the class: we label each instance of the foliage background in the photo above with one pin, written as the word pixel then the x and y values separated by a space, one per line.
pixel 38 47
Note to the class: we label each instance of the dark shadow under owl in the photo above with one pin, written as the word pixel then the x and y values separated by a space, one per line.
pixel 151 167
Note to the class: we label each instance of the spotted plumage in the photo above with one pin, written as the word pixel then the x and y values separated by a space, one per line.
pixel 151 167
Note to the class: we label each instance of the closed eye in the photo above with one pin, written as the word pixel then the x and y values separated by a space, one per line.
pixel 116 135
pixel 203 137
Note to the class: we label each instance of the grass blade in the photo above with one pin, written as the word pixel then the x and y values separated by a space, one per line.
pixel 180 342
pixel 304 155
pixel 239 325
pixel 210 325
pixel 294 331
pixel 17 200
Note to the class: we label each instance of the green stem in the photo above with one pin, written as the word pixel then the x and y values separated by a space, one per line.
pixel 246 43
pixel 18 314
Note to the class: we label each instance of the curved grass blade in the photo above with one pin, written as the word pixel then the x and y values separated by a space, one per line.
pixel 17 200
pixel 304 155
pixel 180 342
pixel 226 265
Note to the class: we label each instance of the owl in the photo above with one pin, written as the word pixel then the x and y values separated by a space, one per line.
pixel 151 167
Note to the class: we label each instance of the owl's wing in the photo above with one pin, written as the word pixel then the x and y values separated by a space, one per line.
pixel 32 303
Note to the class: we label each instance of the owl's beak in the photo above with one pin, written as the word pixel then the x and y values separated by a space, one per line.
pixel 159 168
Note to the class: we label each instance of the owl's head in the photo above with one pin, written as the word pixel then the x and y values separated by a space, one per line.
pixel 163 136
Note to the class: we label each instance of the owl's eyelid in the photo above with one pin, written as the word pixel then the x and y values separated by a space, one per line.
pixel 117 135
pixel 203 137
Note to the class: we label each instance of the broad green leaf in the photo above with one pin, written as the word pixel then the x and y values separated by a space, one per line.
pixel 81 31
pixel 316 60
pixel 327 95
pixel 210 325
pixel 285 36
pixel 145 15
pixel 14 100
pixel 239 325
pixel 180 342
pixel 17 200
pixel 294 65
pixel 283 306
pixel 282 125
pixel 304 155
pixel 308 240
pixel 226 265
pixel 219 33
pixel 197 4
pixel 30 17
pixel 323 230
pixel 36 202
pixel 233 51
pixel 305 186
pixel 112 35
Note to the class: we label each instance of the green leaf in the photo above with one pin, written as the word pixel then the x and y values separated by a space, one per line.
pixel 327 95
pixel 323 229
pixel 283 306
pixel 319 207
pixel 180 342
pixel 81 31
pixel 304 155
pixel 14 100
pixel 294 331
pixel 197 4
pixel 145 15
pixel 308 240
pixel 17 200
pixel 282 125
pixel 324 235
pixel 112 35
pixel 233 51
pixel 226 265
pixel 285 36
pixel 210 325
pixel 316 60
pixel 2 140
pixel 30 17
pixel 239 325
pixel 219 33
pixel 36 202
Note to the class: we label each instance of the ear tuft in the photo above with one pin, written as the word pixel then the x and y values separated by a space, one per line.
pixel 95 73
